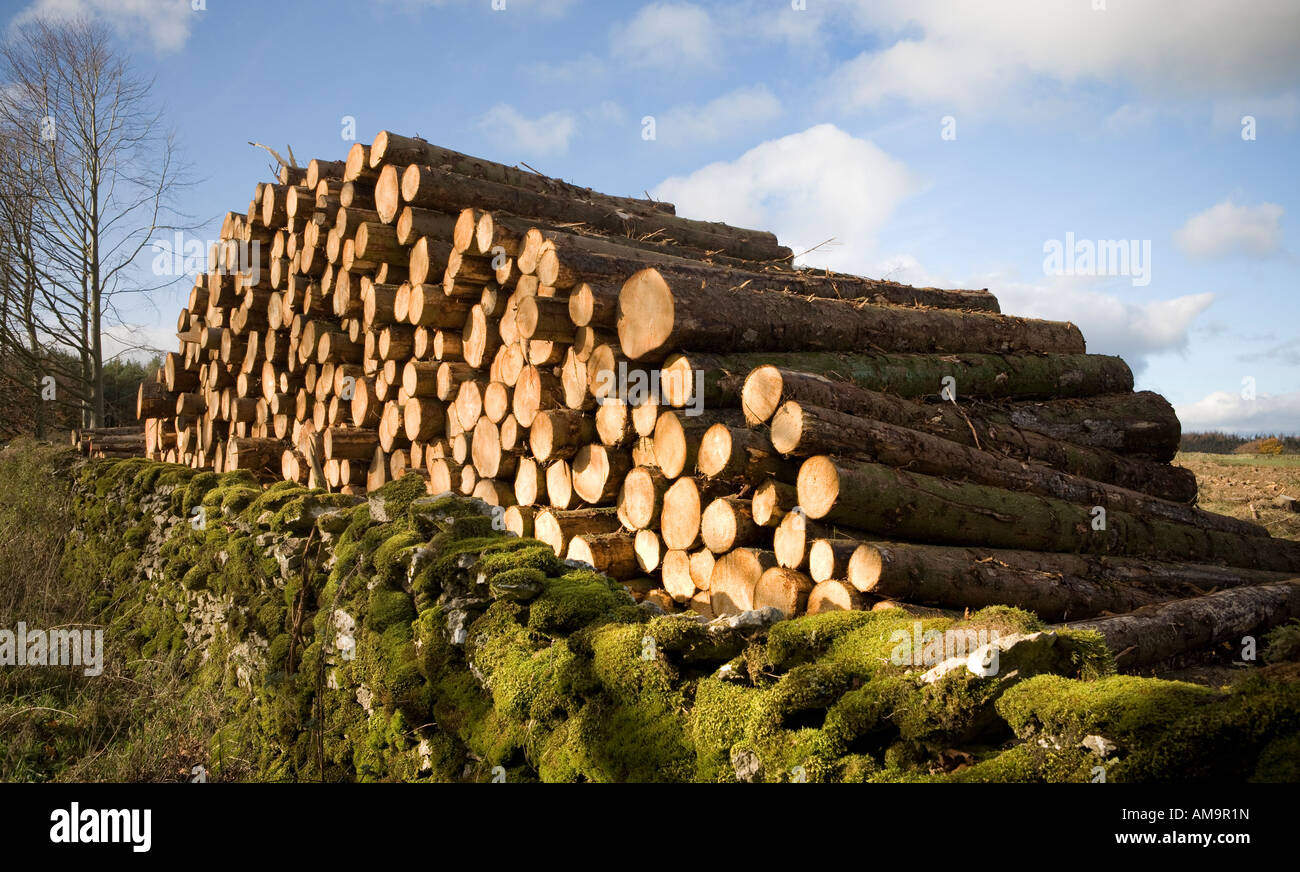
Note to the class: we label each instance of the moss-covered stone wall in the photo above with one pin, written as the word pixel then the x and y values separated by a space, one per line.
pixel 404 638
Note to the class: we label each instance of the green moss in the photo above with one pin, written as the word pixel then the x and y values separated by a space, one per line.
pixel 1283 643
pixel 388 608
pixel 576 598
pixel 555 674
pixel 397 495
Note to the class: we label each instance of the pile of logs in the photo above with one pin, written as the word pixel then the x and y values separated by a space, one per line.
pixel 112 442
pixel 674 403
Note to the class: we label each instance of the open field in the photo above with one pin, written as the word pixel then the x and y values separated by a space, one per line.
pixel 1245 487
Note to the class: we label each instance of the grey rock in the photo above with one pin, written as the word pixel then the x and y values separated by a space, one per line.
pixel 747 766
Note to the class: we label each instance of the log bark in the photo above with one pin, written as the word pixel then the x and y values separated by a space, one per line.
pixel 611 553
pixel 661 312
pixel 1157 633
pixel 968 426
pixel 897 503
pixel 426 186
pixel 804 430
pixel 979 376
pixel 1054 586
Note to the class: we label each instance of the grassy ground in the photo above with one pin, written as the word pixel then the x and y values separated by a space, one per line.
pixel 1244 487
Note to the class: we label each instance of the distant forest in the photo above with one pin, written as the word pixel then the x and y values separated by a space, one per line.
pixel 1227 443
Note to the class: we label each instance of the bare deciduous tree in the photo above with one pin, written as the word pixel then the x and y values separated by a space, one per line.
pixel 97 170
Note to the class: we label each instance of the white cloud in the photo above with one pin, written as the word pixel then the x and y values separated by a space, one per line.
pixel 1110 325
pixel 668 36
pixel 806 187
pixel 724 117
pixel 977 56
pixel 166 22
pixel 1227 229
pixel 573 71
pixel 549 134
pixel 1228 412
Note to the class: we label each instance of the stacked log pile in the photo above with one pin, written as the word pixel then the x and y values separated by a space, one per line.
pixel 670 401
pixel 110 442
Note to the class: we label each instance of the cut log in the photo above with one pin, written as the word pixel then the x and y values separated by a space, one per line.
pixel 785 590
pixel 738 454
pixel 556 527
pixel 650 553
pixel 676 575
pixel 772 499
pixel 793 537
pixel 829 558
pixel 966 426
pixel 735 577
pixel 1157 633
pixel 519 520
pixel 660 312
pixel 678 437
pixel 559 485
pixel 804 430
pixel 835 595
pixel 983 376
pixel 530 482
pixel 702 568
pixel 641 497
pixel 560 433
pixel 727 523
pixel 598 473
pixel 1055 586
pixel 427 186
pixel 896 503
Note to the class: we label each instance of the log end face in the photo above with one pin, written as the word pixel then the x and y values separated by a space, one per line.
pixel 761 394
pixel 818 486
pixel 865 567
pixel 787 427
pixel 388 199
pixel 645 314
pixel 715 450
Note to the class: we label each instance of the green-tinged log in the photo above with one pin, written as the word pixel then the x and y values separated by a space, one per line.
pixel 1055 586
pixel 804 430
pixel 897 503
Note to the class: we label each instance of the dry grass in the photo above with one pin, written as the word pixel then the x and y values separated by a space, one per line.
pixel 1245 486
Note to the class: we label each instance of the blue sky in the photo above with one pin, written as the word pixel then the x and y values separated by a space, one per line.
pixel 936 142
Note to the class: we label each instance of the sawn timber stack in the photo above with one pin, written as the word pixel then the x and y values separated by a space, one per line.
pixel 671 401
